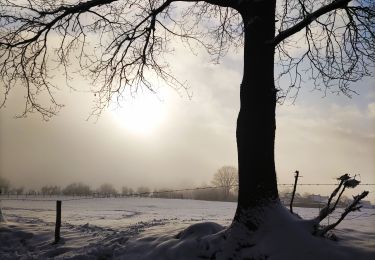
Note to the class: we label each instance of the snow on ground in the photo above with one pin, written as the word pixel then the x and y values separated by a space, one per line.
pixel 146 228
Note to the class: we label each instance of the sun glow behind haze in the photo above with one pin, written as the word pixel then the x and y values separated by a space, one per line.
pixel 141 115
pixel 165 141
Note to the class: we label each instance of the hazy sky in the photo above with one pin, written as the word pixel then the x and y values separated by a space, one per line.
pixel 177 142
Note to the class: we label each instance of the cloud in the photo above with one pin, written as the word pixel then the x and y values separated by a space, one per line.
pixel 371 110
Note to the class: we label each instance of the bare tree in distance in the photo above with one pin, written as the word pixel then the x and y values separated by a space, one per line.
pixel 119 45
pixel 79 189
pixel 50 190
pixel 125 191
pixel 227 178
pixel 107 189
pixel 4 185
pixel 143 191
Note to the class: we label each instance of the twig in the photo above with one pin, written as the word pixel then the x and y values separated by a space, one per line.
pixel 352 207
pixel 327 209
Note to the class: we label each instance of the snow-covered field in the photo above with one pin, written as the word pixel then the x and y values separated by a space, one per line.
pixel 139 228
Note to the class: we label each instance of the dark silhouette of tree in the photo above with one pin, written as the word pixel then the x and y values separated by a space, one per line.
pixel 120 45
pixel 226 178
pixel 107 189
pixel 78 189
pixel 143 191
pixel 125 191
pixel 18 190
pixel 50 190
pixel 4 185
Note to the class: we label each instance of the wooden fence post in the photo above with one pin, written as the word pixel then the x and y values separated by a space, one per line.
pixel 294 190
pixel 58 221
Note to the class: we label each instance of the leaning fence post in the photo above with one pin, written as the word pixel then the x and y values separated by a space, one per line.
pixel 58 221
pixel 294 190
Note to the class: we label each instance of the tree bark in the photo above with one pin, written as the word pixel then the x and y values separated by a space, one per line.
pixel 256 123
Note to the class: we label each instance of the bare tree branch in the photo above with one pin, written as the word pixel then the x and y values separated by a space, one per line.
pixel 328 209
pixel 330 47
pixel 119 45
pixel 308 18
pixel 353 206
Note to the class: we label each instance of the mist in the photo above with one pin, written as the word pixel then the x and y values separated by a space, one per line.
pixel 321 137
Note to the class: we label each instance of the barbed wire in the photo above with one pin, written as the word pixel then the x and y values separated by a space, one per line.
pixel 143 194
pixel 155 193
pixel 324 184
pixel 138 194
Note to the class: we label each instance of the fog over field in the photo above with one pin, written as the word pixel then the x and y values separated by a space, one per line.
pixel 168 140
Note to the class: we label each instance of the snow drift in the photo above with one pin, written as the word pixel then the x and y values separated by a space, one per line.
pixel 281 236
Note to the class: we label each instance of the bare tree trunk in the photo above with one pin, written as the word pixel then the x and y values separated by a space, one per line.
pixel 256 123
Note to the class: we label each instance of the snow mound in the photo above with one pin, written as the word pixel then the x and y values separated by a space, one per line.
pixel 281 236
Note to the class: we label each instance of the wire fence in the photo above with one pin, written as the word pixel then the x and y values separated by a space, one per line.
pixel 59 198
pixel 95 195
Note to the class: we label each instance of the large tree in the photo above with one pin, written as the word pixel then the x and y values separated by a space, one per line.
pixel 119 44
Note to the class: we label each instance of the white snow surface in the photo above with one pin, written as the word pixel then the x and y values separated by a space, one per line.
pixel 149 228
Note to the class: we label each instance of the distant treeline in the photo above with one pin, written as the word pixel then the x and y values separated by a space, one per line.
pixel 225 179
pixel 108 190
pixel 204 192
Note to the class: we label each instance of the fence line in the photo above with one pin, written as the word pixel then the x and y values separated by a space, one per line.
pixel 324 184
pixel 58 198
pixel 141 194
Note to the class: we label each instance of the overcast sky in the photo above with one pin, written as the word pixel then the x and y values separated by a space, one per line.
pixel 178 142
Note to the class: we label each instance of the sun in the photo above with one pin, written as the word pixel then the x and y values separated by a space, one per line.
pixel 141 115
